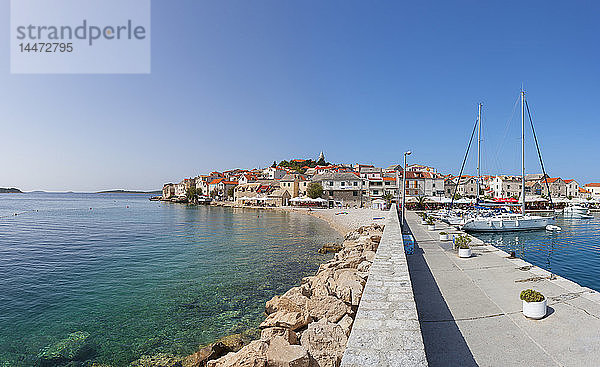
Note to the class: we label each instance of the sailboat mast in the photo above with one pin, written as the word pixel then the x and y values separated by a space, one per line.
pixel 478 152
pixel 523 151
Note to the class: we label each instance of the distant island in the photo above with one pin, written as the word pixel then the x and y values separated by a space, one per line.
pixel 11 190
pixel 157 192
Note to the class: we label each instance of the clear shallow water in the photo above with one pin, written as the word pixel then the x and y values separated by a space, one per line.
pixel 573 253
pixel 141 277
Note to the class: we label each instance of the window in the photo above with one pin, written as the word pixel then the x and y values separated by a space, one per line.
pixel 354 193
pixel 330 192
pixel 342 183
pixel 355 183
pixel 375 192
pixel 330 183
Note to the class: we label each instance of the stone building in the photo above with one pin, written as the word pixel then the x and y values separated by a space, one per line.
pixel 341 188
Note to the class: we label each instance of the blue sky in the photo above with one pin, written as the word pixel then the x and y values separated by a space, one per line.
pixel 240 84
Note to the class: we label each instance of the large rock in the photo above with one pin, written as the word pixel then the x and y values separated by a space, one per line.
pixel 327 307
pixel 227 344
pixel 346 324
pixel 293 300
pixel 75 347
pixel 349 286
pixel 281 354
pixel 271 332
pixel 158 360
pixel 290 320
pixel 369 255
pixel 322 284
pixel 325 342
pixel 364 267
pixel 252 355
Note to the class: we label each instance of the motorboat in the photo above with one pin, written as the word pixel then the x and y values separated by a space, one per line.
pixel 577 211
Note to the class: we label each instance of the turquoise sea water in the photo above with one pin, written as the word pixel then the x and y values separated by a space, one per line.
pixel 141 277
pixel 573 253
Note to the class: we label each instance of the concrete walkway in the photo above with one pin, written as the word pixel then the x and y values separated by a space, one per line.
pixel 470 312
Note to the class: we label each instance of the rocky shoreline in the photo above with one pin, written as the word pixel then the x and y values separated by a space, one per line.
pixel 308 326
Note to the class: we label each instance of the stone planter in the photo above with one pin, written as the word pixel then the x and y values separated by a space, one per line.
pixel 423 222
pixel 444 237
pixel 431 227
pixel 464 252
pixel 534 310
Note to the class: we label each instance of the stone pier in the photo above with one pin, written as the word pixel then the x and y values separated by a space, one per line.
pixel 470 311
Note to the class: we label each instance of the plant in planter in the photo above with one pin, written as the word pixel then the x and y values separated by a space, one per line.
pixel 423 218
pixel 534 304
pixel 444 236
pixel 462 243
pixel 430 224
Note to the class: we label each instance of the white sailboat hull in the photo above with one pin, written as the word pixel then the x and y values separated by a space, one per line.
pixel 499 224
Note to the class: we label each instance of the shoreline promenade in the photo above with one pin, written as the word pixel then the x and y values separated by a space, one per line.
pixel 470 312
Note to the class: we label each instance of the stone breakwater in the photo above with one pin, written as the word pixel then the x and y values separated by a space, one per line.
pixel 309 325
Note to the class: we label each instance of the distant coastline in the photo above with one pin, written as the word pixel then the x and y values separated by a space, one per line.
pixel 10 190
pixel 157 192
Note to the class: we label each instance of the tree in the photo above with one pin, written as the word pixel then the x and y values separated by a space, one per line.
pixel 191 194
pixel 214 193
pixel 230 192
pixel 321 162
pixel 274 164
pixel 388 197
pixel 457 196
pixel 421 202
pixel 314 190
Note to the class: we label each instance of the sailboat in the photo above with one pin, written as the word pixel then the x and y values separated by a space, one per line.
pixel 509 221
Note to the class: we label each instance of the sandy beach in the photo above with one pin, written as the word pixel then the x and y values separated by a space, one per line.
pixel 346 220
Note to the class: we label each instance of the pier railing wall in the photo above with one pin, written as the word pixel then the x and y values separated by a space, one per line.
pixel 386 330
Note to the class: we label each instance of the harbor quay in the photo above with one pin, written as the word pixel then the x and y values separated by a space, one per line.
pixel 470 313
pixel 432 308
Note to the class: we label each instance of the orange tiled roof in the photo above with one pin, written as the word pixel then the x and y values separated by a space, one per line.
pixel 389 178
pixel 551 180
pixel 593 184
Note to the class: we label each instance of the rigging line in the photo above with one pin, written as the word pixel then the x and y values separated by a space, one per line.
pixel 539 155
pixel 501 142
pixel 463 163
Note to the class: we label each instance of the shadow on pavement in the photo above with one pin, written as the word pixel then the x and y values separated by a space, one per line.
pixel 444 343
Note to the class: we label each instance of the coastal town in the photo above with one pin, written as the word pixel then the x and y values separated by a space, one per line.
pixel 306 182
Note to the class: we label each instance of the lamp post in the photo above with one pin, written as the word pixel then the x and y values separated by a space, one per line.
pixel 404 189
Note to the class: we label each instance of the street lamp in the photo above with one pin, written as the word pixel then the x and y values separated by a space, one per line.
pixel 404 189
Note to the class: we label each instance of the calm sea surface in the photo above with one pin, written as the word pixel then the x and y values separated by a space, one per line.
pixel 573 253
pixel 141 277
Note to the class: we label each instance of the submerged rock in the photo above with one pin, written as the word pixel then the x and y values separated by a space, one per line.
pixel 158 360
pixel 75 347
